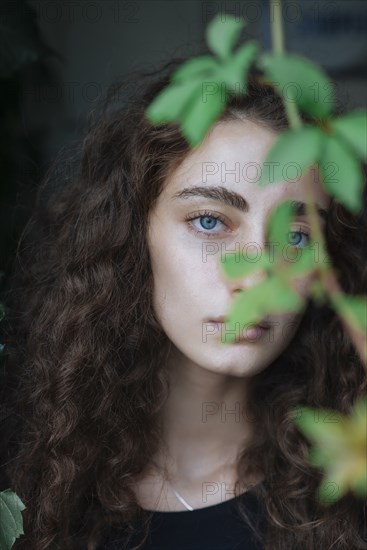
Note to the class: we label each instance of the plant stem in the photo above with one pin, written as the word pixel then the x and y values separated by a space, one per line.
pixel 292 113
pixel 326 274
pixel 359 340
pixel 277 38
pixel 329 280
pixel 276 24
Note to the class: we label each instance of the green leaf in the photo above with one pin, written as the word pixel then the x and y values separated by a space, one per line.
pixel 279 222
pixel 299 79
pixel 172 101
pixel 202 67
pixel 352 128
pixel 234 267
pixel 294 151
pixel 330 491
pixel 269 296
pixel 353 308
pixel 304 264
pixel 324 427
pixel 340 446
pixel 222 35
pixel 234 73
pixel 318 457
pixel 341 173
pixel 11 521
pixel 279 228
pixel 201 116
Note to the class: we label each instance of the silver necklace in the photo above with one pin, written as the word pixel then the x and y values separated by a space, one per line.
pixel 177 494
pixel 180 498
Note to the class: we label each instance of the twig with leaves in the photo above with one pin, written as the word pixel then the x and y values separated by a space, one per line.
pixel 194 100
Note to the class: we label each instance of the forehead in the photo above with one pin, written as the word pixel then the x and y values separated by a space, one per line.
pixel 232 155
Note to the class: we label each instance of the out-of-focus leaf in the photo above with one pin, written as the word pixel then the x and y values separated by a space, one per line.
pixel 235 70
pixel 235 266
pixel 270 296
pixel 352 128
pixel 340 447
pixel 301 259
pixel 278 227
pixel 323 425
pixel 221 36
pixel 202 67
pixel 244 265
pixel 295 148
pixel 170 104
pixel 201 116
pixel 353 309
pixel 304 262
pixel 197 93
pixel 300 80
pixel 341 173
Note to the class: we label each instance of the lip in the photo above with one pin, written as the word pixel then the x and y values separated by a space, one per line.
pixel 253 332
pixel 263 323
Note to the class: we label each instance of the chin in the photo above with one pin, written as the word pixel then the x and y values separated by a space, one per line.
pixel 241 368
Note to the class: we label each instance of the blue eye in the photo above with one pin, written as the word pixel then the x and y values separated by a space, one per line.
pixel 208 221
pixel 294 241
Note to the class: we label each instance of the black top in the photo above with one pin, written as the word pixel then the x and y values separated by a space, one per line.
pixel 218 527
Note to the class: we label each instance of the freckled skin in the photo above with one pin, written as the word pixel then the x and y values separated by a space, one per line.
pixel 189 290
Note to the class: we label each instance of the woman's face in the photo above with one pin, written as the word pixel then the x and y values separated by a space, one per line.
pixel 190 288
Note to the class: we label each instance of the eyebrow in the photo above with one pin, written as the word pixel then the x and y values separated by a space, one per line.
pixel 231 198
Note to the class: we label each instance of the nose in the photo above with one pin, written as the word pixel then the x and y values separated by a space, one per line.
pixel 254 248
pixel 247 281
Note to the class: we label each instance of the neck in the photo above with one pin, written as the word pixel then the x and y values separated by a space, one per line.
pixel 204 422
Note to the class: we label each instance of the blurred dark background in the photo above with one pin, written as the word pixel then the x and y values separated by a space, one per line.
pixel 57 58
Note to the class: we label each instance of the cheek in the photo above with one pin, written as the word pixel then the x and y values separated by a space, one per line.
pixel 302 285
pixel 176 280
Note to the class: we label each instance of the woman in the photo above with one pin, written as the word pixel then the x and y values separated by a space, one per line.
pixel 133 410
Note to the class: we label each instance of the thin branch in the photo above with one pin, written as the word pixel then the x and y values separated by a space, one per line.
pixel 276 24
pixel 326 274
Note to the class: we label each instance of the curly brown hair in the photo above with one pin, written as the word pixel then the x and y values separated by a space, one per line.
pixel 86 355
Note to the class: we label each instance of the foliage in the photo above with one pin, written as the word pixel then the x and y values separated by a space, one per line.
pixel 341 447
pixel 337 145
pixel 195 99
